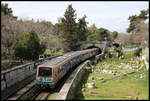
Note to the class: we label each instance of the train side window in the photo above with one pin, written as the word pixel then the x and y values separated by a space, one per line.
pixel 59 70
pixel 56 71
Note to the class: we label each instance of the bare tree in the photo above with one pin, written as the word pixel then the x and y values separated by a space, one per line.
pixel 13 28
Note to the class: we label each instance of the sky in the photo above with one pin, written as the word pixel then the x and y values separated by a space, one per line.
pixel 111 15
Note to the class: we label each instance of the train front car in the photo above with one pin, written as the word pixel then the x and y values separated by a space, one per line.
pixel 44 76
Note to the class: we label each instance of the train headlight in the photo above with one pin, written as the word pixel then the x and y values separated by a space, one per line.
pixel 40 78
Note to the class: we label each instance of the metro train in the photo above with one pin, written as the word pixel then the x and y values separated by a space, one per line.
pixel 50 72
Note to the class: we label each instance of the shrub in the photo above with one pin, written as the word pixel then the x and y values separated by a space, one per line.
pixel 118 50
pixel 48 52
pixel 28 47
pixel 138 51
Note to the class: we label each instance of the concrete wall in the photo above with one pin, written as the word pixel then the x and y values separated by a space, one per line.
pixel 11 77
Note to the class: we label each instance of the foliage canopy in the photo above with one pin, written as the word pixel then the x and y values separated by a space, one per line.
pixel 28 47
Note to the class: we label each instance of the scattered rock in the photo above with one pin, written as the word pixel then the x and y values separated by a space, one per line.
pixel 121 57
pixel 83 86
pixel 110 72
pixel 114 73
pixel 91 78
pixel 129 97
pixel 91 85
pixel 104 71
pixel 83 89
pixel 101 78
pixel 103 81
pixel 96 72
pixel 128 66
pixel 103 64
pixel 141 76
pixel 92 92
pixel 121 63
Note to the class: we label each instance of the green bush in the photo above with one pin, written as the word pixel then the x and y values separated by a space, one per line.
pixel 49 52
pixel 138 51
pixel 60 52
pixel 147 59
pixel 28 47
pixel 118 50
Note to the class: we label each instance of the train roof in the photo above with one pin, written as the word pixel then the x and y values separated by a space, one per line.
pixel 61 59
pixel 58 60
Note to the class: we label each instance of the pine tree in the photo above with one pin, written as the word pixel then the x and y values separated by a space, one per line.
pixel 69 29
pixel 81 25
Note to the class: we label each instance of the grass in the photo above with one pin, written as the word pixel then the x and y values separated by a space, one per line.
pixel 128 87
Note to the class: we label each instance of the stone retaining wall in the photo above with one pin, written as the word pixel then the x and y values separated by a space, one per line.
pixel 10 77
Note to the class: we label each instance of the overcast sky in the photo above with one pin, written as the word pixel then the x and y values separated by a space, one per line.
pixel 110 15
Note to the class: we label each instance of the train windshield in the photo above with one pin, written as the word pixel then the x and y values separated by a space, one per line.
pixel 45 71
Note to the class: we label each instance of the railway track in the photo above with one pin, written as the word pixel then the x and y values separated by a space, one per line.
pixel 30 92
pixel 15 88
pixel 19 94
pixel 43 96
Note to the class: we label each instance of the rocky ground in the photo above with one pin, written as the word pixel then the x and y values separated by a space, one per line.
pixel 115 78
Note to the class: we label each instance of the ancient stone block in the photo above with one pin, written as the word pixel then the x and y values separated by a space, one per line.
pixel 19 71
pixel 31 68
pixel 91 85
pixel 11 75
pixel 3 85
pixel 15 73
pixel 23 75
pixel 9 83
pixel 26 72
pixel 7 76
pixel 19 78
pixel 32 65
pixel 91 78
pixel 14 80
pixel 2 77
pixel 27 67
